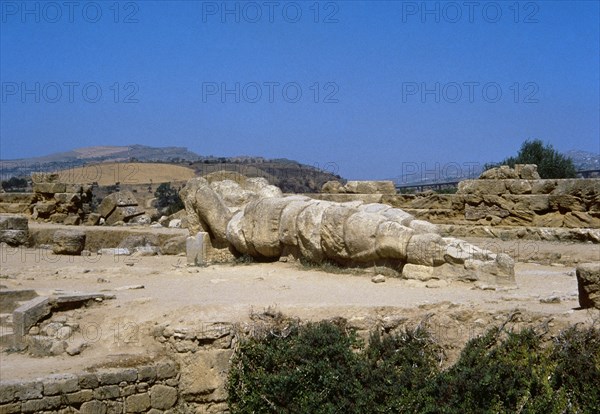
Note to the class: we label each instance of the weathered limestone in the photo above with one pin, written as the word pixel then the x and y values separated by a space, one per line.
pixel 119 206
pixel 502 197
pixel 71 242
pixel 359 187
pixel 14 229
pixel 59 202
pixel 588 282
pixel 132 390
pixel 9 298
pixel 196 247
pixel 28 314
pixel 270 225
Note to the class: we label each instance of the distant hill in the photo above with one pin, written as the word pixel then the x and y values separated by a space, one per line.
pixel 584 160
pixel 88 155
pixel 111 164
pixel 111 173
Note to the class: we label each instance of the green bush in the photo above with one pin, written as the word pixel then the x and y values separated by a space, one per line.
pixel 324 368
pixel 311 369
pixel 551 163
pixel 168 199
pixel 14 183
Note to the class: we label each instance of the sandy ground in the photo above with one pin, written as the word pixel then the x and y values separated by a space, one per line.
pixel 177 295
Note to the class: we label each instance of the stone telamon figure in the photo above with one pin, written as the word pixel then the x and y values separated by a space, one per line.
pixel 256 219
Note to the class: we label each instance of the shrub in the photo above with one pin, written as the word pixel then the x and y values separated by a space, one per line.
pixel 168 199
pixel 551 163
pixel 310 369
pixel 323 368
pixel 14 183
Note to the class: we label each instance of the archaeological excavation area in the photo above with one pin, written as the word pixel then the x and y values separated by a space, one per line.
pixel 107 309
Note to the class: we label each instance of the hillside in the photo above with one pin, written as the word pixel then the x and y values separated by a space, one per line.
pixel 584 160
pixel 106 174
pixel 139 164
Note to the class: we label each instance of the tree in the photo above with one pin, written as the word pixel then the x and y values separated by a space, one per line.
pixel 14 183
pixel 551 163
pixel 168 198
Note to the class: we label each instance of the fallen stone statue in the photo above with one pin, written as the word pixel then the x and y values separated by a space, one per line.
pixel 256 219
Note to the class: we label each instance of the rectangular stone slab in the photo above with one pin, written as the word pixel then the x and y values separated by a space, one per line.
pixel 27 315
pixel 9 298
pixel 114 200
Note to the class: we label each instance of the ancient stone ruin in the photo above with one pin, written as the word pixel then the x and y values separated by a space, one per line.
pixel 119 207
pixel 255 219
pixel 52 201
pixel 504 202
pixel 14 229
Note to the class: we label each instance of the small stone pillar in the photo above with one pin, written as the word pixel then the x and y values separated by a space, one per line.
pixel 196 249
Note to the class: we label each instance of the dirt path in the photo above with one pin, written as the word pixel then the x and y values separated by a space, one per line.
pixel 176 295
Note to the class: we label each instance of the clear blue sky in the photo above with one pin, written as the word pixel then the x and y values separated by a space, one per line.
pixel 395 83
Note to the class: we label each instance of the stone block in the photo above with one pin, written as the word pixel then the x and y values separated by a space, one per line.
pixel 72 220
pixel 538 203
pixel 93 407
pixel 15 208
pixel 174 245
pixel 418 272
pixel 10 408
pixel 147 373
pixel 28 314
pixel 527 171
pixel 114 200
pixel 128 390
pixel 196 247
pixel 92 219
pixel 543 186
pixel 483 211
pixel 10 298
pixel 49 188
pixel 24 198
pixel 502 172
pixel 74 188
pixel 118 375
pixel 14 237
pixel 88 380
pixel 44 177
pixel 80 397
pixel 13 222
pixel 60 384
pixel 8 391
pixel 482 187
pixel 548 220
pixel 107 392
pixel 518 186
pixel 67 198
pixel 29 390
pixel 577 219
pixel 163 397
pixel 42 404
pixel 167 369
pixel 588 283
pixel 123 214
pixel 370 187
pixel 41 345
pixel 204 375
pixel 58 217
pixel 68 242
pixel 137 403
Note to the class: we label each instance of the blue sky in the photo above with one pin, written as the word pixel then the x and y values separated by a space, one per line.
pixel 372 88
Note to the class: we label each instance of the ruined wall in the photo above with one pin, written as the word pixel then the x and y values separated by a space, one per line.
pixel 567 203
pixel 149 388
pixel 52 201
